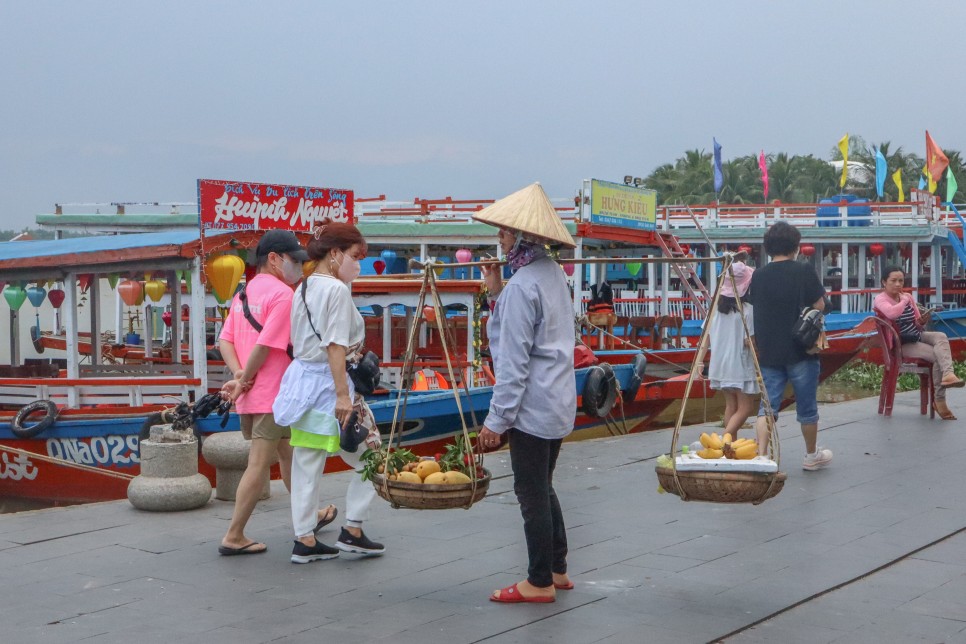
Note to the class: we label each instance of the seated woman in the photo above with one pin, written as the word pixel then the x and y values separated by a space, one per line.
pixel 932 346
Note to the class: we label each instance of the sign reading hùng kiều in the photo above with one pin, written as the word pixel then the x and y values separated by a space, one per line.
pixel 615 204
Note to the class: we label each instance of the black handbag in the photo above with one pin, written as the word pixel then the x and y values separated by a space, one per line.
pixel 808 327
pixel 352 434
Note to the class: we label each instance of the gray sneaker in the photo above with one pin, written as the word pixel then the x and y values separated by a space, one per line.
pixel 821 458
pixel 303 554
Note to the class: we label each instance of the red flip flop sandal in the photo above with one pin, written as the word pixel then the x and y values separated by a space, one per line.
pixel 511 595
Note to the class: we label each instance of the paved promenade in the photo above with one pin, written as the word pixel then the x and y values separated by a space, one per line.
pixel 871 550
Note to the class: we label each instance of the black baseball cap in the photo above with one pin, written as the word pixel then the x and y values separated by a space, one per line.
pixel 281 242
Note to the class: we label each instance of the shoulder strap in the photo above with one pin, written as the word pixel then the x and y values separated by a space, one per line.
pixel 308 314
pixel 247 311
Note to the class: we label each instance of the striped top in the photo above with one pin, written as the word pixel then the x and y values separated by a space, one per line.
pixel 909 331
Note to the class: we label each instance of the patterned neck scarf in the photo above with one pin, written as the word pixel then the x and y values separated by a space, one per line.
pixel 524 252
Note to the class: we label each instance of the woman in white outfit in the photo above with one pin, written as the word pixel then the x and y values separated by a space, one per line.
pixel 316 397
pixel 732 368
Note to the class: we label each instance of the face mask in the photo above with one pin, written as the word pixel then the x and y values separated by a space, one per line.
pixel 349 269
pixel 291 270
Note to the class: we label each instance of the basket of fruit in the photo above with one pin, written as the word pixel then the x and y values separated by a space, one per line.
pixel 454 479
pixel 723 471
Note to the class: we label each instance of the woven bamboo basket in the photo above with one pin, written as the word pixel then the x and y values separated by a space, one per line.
pixel 722 487
pixel 419 496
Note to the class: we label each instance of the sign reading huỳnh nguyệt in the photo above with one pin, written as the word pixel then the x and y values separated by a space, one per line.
pixel 615 204
pixel 239 205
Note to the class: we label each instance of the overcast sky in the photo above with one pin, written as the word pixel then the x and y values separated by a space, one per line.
pixel 134 101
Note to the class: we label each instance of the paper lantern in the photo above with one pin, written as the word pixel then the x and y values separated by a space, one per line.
pixel 568 269
pixel 388 256
pixel 56 297
pixel 36 295
pixel 166 318
pixel 876 249
pixel 905 251
pixel 379 265
pixel 744 248
pixel 131 292
pixel 633 268
pixel 429 313
pixel 155 289
pixel 14 295
pixel 464 256
pixel 224 272
pixel 925 252
pixel 686 249
pixel 807 250
pixel 85 281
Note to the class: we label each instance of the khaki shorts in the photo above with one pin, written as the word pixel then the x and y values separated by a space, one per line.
pixel 262 426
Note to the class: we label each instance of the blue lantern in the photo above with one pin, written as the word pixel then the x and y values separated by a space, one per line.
pixel 388 256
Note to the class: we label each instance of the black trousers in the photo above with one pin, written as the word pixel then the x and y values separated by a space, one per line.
pixel 533 460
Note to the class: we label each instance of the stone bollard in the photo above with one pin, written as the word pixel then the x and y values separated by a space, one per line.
pixel 169 479
pixel 228 452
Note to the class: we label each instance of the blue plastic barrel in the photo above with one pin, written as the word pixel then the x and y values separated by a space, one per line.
pixel 860 213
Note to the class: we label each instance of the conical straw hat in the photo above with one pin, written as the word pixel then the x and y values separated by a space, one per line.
pixel 528 211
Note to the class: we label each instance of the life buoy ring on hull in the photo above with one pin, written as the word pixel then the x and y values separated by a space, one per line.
pixel 35 338
pixel 600 391
pixel 637 376
pixel 50 415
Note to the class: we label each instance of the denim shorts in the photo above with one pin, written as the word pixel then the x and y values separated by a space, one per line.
pixel 804 378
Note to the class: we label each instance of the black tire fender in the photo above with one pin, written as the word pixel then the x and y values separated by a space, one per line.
pixel 50 415
pixel 161 418
pixel 600 391
pixel 637 376
pixel 35 338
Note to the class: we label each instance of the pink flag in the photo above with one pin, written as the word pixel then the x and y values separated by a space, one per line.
pixel 764 173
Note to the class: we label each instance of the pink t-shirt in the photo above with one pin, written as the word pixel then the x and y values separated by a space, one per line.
pixel 270 302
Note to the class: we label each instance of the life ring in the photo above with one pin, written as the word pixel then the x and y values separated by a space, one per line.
pixel 50 415
pixel 35 338
pixel 600 391
pixel 162 418
pixel 637 376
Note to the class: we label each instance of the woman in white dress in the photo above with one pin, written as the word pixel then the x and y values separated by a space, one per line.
pixel 732 368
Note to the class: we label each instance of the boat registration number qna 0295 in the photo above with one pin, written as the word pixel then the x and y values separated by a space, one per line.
pixel 97 450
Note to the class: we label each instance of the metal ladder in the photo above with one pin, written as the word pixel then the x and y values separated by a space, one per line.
pixel 698 292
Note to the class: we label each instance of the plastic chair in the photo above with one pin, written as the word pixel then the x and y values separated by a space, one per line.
pixel 642 326
pixel 894 363
pixel 670 322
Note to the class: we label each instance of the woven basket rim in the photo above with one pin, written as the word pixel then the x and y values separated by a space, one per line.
pixel 431 487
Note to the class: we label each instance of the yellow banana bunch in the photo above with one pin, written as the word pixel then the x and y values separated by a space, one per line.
pixel 709 452
pixel 743 448
pixel 713 441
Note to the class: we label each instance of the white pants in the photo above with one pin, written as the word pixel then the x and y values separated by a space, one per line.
pixel 307 467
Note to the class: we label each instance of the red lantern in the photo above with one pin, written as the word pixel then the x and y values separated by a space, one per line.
pixel 430 314
pixel 876 249
pixel 56 297
pixel 925 252
pixel 686 249
pixel 166 318
pixel 379 265
pixel 906 251
pixel 744 248
pixel 568 269
pixel 807 250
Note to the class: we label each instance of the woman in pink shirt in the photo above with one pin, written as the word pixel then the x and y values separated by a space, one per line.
pixel 932 346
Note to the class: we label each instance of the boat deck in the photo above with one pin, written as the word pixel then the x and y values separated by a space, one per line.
pixel 872 549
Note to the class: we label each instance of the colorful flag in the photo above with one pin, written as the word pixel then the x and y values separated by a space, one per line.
pixel 718 176
pixel 922 179
pixel 764 173
pixel 844 149
pixel 881 170
pixel 951 185
pixel 897 178
pixel 936 161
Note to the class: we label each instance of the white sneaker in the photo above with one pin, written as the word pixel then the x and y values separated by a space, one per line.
pixel 818 460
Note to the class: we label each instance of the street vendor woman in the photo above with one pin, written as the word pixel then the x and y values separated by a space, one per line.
pixel 531 331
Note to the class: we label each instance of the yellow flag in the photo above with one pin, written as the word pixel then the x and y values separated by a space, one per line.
pixel 897 178
pixel 844 149
pixel 932 183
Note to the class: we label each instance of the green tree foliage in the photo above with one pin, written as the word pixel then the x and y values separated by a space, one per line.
pixel 794 179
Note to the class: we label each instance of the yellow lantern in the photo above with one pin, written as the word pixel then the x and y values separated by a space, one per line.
pixel 155 289
pixel 224 272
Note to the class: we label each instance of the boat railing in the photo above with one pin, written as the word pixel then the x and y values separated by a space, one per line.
pixel 92 392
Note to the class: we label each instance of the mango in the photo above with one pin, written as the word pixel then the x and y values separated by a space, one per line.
pixel 408 477
pixel 436 478
pixel 425 468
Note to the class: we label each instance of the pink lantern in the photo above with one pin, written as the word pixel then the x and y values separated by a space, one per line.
pixel 379 265
pixel 464 256
pixel 569 269
pixel 429 313
pixel 876 249
pixel 56 297
pixel 807 250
